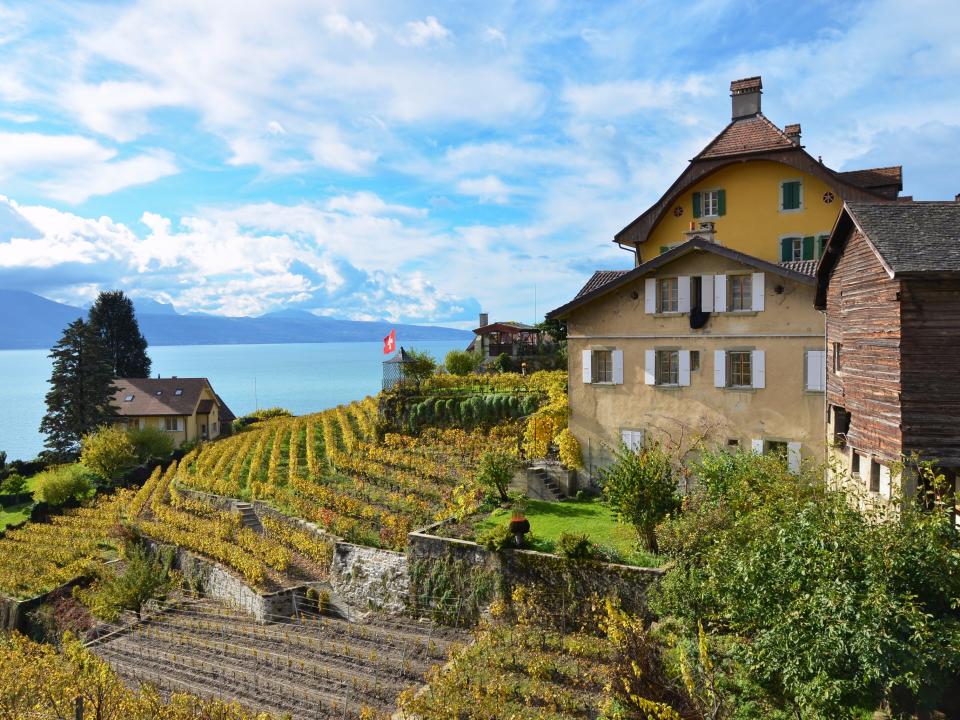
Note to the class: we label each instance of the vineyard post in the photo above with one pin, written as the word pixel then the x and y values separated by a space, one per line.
pixel 78 709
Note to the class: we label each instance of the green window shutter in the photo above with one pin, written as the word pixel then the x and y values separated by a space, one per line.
pixel 786 249
pixel 808 248
pixel 721 202
pixel 821 245
pixel 696 205
pixel 791 195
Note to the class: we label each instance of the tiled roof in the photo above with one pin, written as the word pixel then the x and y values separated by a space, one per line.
pixel 750 83
pixel 746 135
pixel 804 267
pixel 918 237
pixel 873 178
pixel 204 407
pixel 226 414
pixel 505 325
pixel 599 279
pixel 157 396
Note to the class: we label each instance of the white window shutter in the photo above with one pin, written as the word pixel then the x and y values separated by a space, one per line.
pixel 633 439
pixel 756 288
pixel 683 293
pixel 587 367
pixel 816 370
pixel 720 293
pixel 756 445
pixel 793 457
pixel 650 367
pixel 720 368
pixel 617 367
pixel 759 369
pixel 684 375
pixel 706 293
pixel 650 295
pixel 885 481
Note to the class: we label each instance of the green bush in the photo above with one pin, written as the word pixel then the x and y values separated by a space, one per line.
pixel 108 451
pixel 462 362
pixel 504 362
pixel 496 538
pixel 62 483
pixel 151 443
pixel 495 471
pixel 145 577
pixel 13 484
pixel 576 546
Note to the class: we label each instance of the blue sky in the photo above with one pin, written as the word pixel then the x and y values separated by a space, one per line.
pixel 417 161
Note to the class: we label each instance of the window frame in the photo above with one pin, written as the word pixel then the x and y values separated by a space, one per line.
pixel 783 184
pixel 746 295
pixel 595 375
pixel 837 355
pixel 175 421
pixel 706 196
pixel 673 372
pixel 674 294
pixel 730 368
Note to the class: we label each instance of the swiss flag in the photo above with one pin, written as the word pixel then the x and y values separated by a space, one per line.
pixel 390 342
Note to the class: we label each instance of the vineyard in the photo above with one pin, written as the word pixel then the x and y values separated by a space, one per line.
pixel 330 469
pixel 310 667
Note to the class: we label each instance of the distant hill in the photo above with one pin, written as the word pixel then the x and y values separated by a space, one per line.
pixel 30 321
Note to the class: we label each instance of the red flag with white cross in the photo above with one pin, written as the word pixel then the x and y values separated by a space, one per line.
pixel 390 342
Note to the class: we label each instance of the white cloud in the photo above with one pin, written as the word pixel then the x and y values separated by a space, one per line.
pixel 423 32
pixel 338 24
pixel 368 203
pixel 494 35
pixel 627 97
pixel 116 109
pixel 275 128
pixel 330 150
pixel 488 189
pixel 81 183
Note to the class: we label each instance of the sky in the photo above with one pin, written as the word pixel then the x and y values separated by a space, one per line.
pixel 417 162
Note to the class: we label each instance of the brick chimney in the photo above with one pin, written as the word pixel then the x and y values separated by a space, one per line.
pixel 746 96
pixel 484 319
pixel 793 132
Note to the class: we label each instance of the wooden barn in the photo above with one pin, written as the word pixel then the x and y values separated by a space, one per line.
pixel 889 285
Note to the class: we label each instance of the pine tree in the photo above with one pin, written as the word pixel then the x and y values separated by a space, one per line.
pixel 113 318
pixel 81 389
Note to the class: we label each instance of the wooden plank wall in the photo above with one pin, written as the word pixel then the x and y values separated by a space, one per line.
pixel 931 369
pixel 863 313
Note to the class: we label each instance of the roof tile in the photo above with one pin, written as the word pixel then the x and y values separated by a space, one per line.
pixel 917 237
pixel 599 279
pixel 746 135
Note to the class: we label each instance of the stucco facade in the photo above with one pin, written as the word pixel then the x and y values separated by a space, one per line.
pixel 785 338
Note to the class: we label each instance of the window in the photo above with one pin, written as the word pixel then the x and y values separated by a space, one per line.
pixel 172 424
pixel 791 195
pixel 841 425
pixel 740 292
pixel 854 462
pixel 739 370
pixel 602 363
pixel 128 398
pixel 668 367
pixel 821 245
pixel 178 391
pixel 633 439
pixel 733 442
pixel 709 203
pixel 694 360
pixel 775 447
pixel 874 476
pixel 668 295
pixel 159 392
pixel 836 356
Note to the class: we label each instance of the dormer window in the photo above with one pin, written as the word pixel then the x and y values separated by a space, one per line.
pixel 178 391
pixel 128 398
pixel 159 392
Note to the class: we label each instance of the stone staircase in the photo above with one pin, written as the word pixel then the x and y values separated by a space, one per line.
pixel 549 485
pixel 248 516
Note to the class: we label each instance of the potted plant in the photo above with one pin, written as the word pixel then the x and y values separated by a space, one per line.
pixel 519 525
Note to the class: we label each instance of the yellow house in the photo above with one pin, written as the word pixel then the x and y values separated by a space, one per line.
pixel 754 188
pixel 702 343
pixel 186 408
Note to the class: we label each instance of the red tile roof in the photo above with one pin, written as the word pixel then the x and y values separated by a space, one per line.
pixel 875 177
pixel 599 279
pixel 746 84
pixel 747 135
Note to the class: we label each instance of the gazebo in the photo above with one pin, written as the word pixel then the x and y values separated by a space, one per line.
pixel 516 339
pixel 394 369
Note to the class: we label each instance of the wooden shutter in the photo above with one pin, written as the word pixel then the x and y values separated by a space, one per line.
pixel 650 295
pixel 808 248
pixel 697 205
pixel 793 457
pixel 720 293
pixel 885 481
pixel 633 439
pixel 757 292
pixel 756 445
pixel 786 249
pixel 758 369
pixel 706 293
pixel 587 366
pixel 684 374
pixel 721 202
pixel 816 370
pixel 683 294
pixel 650 367
pixel 719 368
pixel 617 356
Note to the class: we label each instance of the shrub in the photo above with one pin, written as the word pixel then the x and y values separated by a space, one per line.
pixel 151 443
pixel 576 546
pixel 63 483
pixel 569 447
pixel 108 451
pixel 421 366
pixel 504 362
pixel 13 484
pixel 462 362
pixel 496 538
pixel 144 578
pixel 257 415
pixel 641 488
pixel 495 471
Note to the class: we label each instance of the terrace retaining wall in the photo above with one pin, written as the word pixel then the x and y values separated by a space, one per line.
pixel 366 578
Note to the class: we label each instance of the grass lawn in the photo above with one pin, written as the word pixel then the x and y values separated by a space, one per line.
pixel 14 514
pixel 591 517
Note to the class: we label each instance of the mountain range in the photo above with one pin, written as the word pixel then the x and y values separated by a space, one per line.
pixel 30 321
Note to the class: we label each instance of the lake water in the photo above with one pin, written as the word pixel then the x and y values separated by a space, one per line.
pixel 303 378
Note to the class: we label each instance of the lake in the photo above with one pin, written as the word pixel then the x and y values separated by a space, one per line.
pixel 303 378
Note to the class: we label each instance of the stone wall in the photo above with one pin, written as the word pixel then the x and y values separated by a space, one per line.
pixel 366 578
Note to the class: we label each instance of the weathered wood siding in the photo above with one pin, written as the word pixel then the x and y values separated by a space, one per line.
pixel 863 314
pixel 930 392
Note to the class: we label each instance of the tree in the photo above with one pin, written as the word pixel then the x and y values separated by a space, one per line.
pixel 420 366
pixel 495 472
pixel 112 318
pixel 81 389
pixel 462 362
pixel 557 329
pixel 640 486
pixel 144 578
pixel 109 452
pixel 151 443
pixel 63 483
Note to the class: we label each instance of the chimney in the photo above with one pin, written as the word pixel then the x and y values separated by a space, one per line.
pixel 793 132
pixel 484 319
pixel 956 198
pixel 746 97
